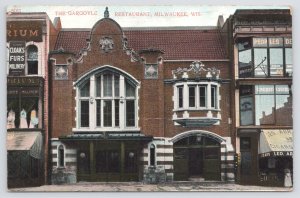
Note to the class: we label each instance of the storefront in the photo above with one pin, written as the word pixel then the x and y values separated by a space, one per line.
pixel 101 157
pixel 276 157
pixel 24 131
pixel 24 159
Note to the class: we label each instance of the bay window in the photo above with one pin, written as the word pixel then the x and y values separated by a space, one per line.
pixel 265 105
pixel 193 96
pixel 213 97
pixel 180 96
pixel 108 100
pixel 265 57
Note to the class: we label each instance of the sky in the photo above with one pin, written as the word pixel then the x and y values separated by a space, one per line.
pixel 138 16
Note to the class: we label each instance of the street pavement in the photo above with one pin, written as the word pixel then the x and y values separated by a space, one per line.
pixel 140 187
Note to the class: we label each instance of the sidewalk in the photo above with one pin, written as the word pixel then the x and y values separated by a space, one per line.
pixel 140 187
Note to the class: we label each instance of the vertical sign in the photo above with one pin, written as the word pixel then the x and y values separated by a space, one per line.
pixel 16 59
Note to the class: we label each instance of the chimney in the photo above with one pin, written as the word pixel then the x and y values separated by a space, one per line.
pixel 220 21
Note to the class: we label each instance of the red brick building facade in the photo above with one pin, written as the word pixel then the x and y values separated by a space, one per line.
pixel 140 104
pixel 154 104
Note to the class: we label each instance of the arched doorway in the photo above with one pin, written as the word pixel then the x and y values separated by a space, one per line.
pixel 197 156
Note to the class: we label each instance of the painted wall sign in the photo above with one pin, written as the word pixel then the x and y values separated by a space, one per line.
pixel 276 142
pixel 260 42
pixel 26 91
pixel 288 42
pixel 24 81
pixel 16 59
pixel 24 31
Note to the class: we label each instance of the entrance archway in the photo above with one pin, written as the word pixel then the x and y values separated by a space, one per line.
pixel 197 155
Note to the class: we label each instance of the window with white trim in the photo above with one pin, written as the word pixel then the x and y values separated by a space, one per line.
pixel 195 96
pixel 108 100
pixel 84 104
pixel 32 60
pixel 152 155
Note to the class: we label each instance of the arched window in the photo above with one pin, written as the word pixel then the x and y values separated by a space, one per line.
pixel 32 60
pixel 108 100
pixel 152 155
pixel 61 156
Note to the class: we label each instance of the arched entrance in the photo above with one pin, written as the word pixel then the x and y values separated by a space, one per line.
pixel 197 155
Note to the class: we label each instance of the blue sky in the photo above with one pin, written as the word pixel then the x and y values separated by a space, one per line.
pixel 86 16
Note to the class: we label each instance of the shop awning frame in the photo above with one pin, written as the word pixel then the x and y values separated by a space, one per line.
pixel 31 142
pixel 276 143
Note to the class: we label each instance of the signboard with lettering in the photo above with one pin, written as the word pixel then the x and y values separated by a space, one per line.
pixel 277 142
pixel 260 42
pixel 16 58
pixel 24 86
pixel 24 81
pixel 288 42
pixel 24 31
pixel 275 42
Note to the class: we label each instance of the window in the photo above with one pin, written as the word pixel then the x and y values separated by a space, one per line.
pixel 22 112
pixel 202 96
pixel 32 60
pixel 84 104
pixel 246 105
pixel 265 57
pixel 192 96
pixel 111 99
pixel 266 105
pixel 197 97
pixel 61 156
pixel 213 97
pixel 180 97
pixel 152 155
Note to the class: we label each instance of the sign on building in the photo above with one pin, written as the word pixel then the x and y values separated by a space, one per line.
pixel 16 59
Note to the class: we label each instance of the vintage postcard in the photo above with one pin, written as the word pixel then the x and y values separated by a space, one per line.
pixel 149 98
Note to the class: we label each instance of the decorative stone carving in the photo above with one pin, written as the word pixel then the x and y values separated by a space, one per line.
pixel 197 69
pixel 129 51
pixel 151 71
pixel 61 72
pixel 106 13
pixel 106 44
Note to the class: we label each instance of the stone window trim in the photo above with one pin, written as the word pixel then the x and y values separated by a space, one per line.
pixel 61 160
pixel 152 160
pixel 92 98
pixel 186 106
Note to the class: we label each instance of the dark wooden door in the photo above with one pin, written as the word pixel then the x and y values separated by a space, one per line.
pixel 195 162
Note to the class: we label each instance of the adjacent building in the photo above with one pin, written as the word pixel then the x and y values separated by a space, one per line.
pixel 30 37
pixel 261 45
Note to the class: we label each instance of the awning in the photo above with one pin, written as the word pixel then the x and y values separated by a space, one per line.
pixel 276 142
pixel 31 142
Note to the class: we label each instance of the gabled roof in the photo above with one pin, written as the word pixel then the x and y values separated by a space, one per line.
pixel 177 44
